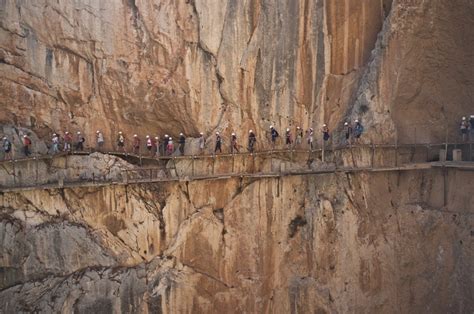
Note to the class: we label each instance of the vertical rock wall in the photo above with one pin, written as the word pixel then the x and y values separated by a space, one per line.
pixel 381 242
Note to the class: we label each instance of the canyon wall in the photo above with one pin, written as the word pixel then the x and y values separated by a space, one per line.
pixel 158 66
pixel 377 243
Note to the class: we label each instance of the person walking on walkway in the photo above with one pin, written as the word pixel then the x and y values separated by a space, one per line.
pixel 252 141
pixel 464 127
pixel 166 140
pixel 181 142
pixel 299 136
pixel 202 143
pixel 55 143
pixel 218 146
pixel 80 142
pixel 310 138
pixel 136 144
pixel 358 130
pixel 233 144
pixel 99 140
pixel 67 141
pixel 274 134
pixel 120 142
pixel 348 132
pixel 26 145
pixel 149 145
pixel 170 146
pixel 288 138
pixel 325 131
pixel 471 126
pixel 157 146
pixel 7 149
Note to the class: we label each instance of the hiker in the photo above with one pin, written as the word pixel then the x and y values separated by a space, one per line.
pixel 136 144
pixel 218 143
pixel 55 142
pixel 166 140
pixel 120 142
pixel 464 127
pixel 181 142
pixel 288 138
pixel 149 145
pixel 157 146
pixel 26 145
pixel 80 142
pixel 233 144
pixel 252 141
pixel 471 126
pixel 358 129
pixel 299 136
pixel 348 132
pixel 202 143
pixel 309 135
pixel 170 146
pixel 274 134
pixel 67 142
pixel 7 148
pixel 100 140
pixel 325 131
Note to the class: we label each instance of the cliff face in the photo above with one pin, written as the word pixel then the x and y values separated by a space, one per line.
pixel 334 243
pixel 171 66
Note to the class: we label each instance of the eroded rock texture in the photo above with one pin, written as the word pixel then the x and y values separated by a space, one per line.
pixel 156 66
pixel 380 243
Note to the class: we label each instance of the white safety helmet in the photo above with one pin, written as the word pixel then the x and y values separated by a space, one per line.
pixel 472 116
pixel 97 131
pixel 250 131
pixel 298 127
pixel 66 132
pixel 346 123
pixel 166 135
pixel 311 129
pixel 271 126
pixel 4 138
pixel 324 124
pixel 120 132
pixel 24 135
pixel 233 133
pixel 78 132
pixel 180 134
pixel 201 133
pixel 464 118
pixel 356 121
pixel 170 138
pixel 148 136
pixel 135 135
pixel 156 137
pixel 217 133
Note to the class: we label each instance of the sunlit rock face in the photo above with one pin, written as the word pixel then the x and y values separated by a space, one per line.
pixel 380 242
pixel 151 67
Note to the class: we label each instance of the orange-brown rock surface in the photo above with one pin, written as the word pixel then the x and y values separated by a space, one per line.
pixel 170 66
pixel 380 242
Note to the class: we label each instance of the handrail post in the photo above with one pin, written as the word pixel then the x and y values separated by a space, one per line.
pixel 213 163
pixel 14 172
pixel 192 165
pixel 322 152
pixel 233 163
pixel 396 151
pixel 373 155
pixel 36 169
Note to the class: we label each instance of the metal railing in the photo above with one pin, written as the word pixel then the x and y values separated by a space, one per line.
pixel 261 163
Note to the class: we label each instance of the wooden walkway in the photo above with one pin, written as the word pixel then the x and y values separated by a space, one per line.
pixel 469 166
pixel 139 158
